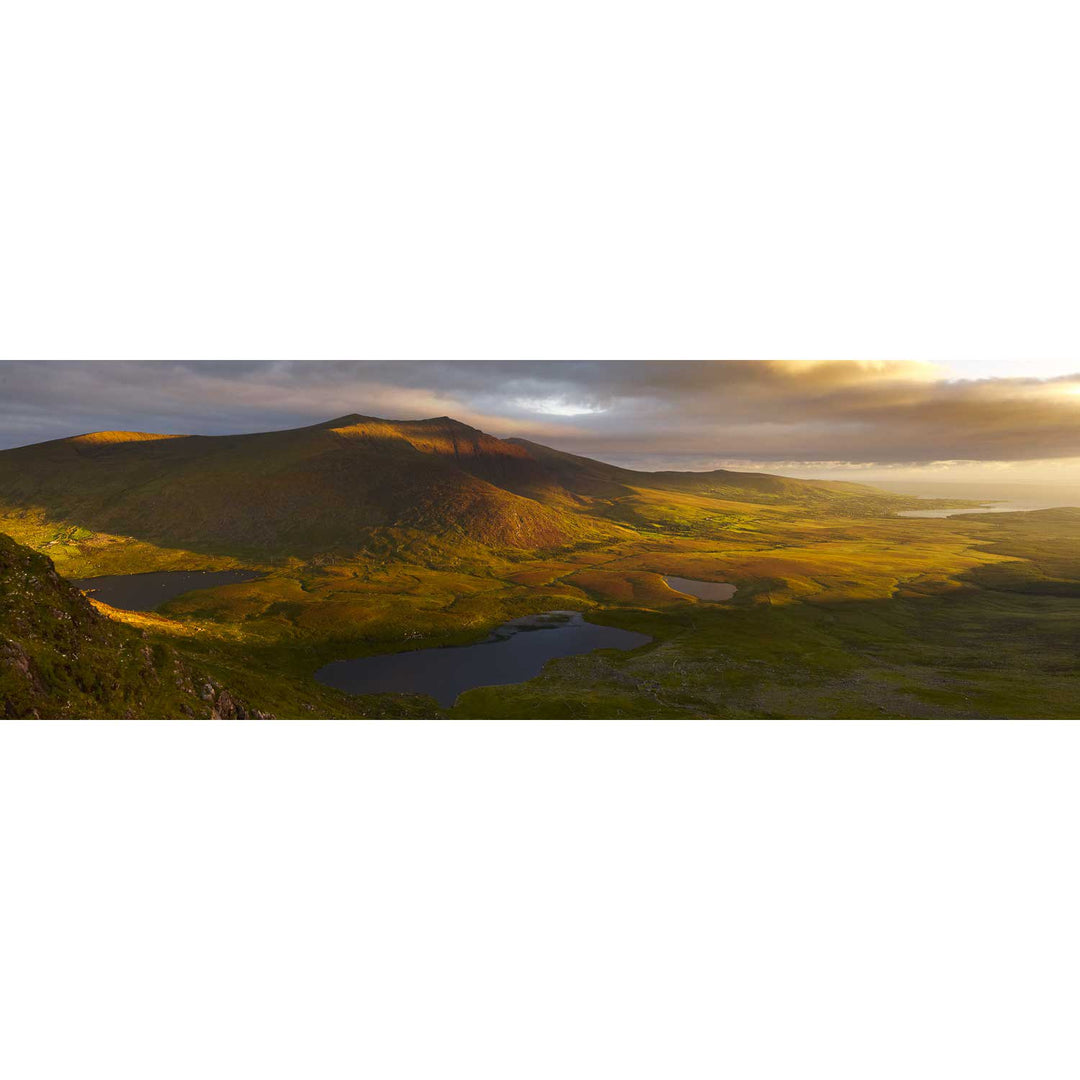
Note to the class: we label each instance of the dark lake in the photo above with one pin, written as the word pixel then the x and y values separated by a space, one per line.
pixel 703 590
pixel 515 652
pixel 143 592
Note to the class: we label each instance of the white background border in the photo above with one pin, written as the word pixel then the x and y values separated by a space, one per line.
pixel 582 179
pixel 537 899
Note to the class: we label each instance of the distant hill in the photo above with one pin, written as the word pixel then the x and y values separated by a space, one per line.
pixel 587 476
pixel 59 658
pixel 334 486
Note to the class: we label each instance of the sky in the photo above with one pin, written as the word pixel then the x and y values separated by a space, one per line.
pixel 856 419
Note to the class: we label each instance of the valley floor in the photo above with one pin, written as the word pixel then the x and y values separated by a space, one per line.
pixel 975 616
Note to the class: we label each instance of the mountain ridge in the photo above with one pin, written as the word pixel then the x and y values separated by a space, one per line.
pixel 339 484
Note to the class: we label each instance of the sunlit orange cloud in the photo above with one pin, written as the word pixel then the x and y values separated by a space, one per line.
pixel 851 372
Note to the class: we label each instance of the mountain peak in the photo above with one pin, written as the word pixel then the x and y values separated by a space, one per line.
pixel 349 420
pixel 447 421
pixel 357 419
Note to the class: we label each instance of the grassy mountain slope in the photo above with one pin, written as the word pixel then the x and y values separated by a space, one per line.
pixel 288 493
pixel 60 658
pixel 358 483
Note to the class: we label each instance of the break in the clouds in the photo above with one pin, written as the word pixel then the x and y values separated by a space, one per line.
pixel 690 414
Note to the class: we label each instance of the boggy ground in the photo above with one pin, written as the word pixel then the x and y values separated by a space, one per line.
pixel 976 616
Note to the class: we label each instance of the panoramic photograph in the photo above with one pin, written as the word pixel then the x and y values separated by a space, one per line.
pixel 522 539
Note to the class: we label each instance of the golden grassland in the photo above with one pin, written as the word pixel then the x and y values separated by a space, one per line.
pixel 838 616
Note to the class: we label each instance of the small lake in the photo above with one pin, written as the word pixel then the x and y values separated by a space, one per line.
pixel 143 592
pixel 704 590
pixel 515 652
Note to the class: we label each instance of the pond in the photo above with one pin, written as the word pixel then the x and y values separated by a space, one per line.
pixel 514 652
pixel 712 591
pixel 143 592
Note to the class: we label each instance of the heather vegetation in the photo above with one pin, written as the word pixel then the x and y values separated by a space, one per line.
pixel 375 536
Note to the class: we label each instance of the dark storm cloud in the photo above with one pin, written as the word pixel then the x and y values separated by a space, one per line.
pixel 732 410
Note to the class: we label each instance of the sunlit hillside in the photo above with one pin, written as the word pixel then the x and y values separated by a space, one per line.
pixel 120 500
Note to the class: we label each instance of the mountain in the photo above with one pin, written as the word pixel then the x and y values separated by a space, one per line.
pixel 341 484
pixel 60 658
pixel 287 492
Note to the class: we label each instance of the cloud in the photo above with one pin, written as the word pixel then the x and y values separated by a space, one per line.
pixel 845 412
